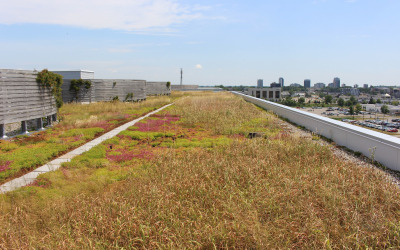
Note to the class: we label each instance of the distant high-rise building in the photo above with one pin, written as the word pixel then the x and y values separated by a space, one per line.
pixel 319 85
pixel 281 81
pixel 365 86
pixel 356 86
pixel 307 83
pixel 275 85
pixel 260 83
pixel 336 82
pixel 295 85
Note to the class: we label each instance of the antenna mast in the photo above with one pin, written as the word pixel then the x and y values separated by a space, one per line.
pixel 181 75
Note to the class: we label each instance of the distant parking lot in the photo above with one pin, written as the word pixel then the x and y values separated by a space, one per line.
pixel 386 124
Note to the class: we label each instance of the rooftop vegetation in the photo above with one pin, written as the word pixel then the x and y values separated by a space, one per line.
pixel 78 124
pixel 189 177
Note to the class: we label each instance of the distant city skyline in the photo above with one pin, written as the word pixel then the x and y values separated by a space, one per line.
pixel 214 42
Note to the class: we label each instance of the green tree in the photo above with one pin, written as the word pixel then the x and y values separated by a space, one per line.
pixel 358 108
pixel 301 100
pixel 328 99
pixel 395 103
pixel 384 110
pixel 53 81
pixel 348 103
pixel 168 85
pixel 288 101
pixel 76 85
pixel 378 101
pixel 353 100
pixel 351 111
pixel 340 102
pixel 371 101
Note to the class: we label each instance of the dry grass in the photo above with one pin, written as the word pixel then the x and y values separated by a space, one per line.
pixel 221 113
pixel 280 192
pixel 82 115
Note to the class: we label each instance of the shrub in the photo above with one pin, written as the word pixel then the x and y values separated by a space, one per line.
pixel 54 81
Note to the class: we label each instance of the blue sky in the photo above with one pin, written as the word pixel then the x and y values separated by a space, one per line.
pixel 215 42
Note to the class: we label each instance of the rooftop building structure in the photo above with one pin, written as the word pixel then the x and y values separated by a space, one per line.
pixel 319 85
pixel 281 81
pixel 275 85
pixel 307 83
pixel 271 94
pixel 351 91
pixel 260 83
pixel 336 82
pixel 75 74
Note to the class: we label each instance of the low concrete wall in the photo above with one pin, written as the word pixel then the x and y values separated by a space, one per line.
pixel 386 148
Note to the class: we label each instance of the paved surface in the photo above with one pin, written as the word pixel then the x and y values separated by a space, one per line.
pixel 372 116
pixel 56 163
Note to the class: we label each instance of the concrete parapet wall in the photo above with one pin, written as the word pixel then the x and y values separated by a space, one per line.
pixel 383 148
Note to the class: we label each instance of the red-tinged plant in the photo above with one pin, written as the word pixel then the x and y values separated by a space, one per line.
pixel 155 125
pixel 42 182
pixel 5 166
pixel 144 154
pixel 129 155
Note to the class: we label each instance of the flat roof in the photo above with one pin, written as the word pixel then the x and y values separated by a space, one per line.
pixel 77 70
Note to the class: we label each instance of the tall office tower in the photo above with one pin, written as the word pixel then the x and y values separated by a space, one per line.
pixel 281 81
pixel 260 83
pixel 336 82
pixel 307 83
pixel 365 86
pixel 319 85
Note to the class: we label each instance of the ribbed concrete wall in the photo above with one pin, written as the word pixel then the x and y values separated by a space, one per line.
pixel 106 90
pixel 384 148
pixel 83 95
pixel 157 88
pixel 22 98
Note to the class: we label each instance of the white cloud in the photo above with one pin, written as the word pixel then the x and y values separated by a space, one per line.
pixel 130 15
pixel 199 66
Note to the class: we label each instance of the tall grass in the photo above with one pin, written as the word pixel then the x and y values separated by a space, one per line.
pixel 81 115
pixel 222 113
pixel 284 191
pixel 251 194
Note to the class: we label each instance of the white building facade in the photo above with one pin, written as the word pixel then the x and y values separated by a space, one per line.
pixel 271 94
